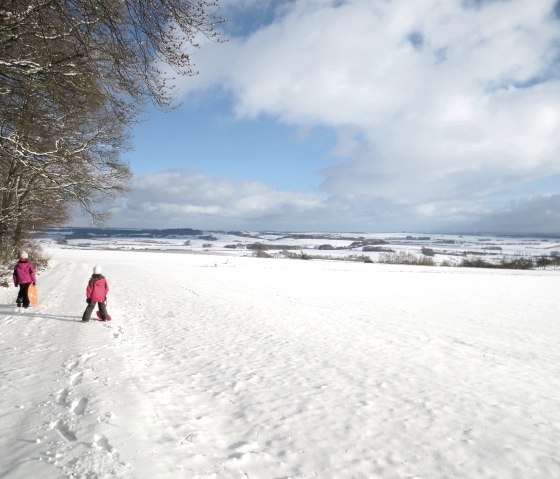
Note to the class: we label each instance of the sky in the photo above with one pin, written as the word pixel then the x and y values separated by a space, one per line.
pixel 360 115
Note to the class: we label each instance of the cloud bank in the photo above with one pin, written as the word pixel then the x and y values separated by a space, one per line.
pixel 440 108
pixel 168 198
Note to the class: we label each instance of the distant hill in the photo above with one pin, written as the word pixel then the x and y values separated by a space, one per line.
pixel 85 233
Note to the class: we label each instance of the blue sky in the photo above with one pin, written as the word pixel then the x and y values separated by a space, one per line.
pixel 360 115
pixel 205 137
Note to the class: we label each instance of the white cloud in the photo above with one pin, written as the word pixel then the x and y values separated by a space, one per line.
pixel 184 197
pixel 438 104
pixel 539 215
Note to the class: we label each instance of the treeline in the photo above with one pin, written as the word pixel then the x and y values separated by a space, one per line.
pixel 74 76
pixel 89 233
pixel 260 250
pixel 525 262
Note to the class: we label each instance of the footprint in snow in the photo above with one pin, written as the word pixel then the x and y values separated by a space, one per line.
pixel 119 333
pixel 101 442
pixel 76 378
pixel 79 407
pixel 72 366
pixel 106 418
pixel 85 356
pixel 62 397
pixel 65 431
pixel 243 447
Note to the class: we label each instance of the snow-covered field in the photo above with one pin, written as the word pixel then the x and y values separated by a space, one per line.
pixel 451 249
pixel 237 367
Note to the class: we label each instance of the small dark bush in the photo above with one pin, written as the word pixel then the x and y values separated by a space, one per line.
pixel 517 263
pixel 405 258
pixel 300 255
pixel 266 247
pixel 543 262
pixel 476 263
pixel 369 242
pixel 257 246
pixel 377 249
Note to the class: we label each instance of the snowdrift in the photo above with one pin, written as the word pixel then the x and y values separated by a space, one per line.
pixel 234 367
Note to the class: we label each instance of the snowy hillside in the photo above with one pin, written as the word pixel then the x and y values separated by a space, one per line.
pixel 237 367
pixel 375 247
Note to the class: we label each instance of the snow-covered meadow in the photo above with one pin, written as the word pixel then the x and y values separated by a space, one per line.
pixel 445 248
pixel 220 366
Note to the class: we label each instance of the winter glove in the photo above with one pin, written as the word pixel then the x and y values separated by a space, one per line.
pixel 88 300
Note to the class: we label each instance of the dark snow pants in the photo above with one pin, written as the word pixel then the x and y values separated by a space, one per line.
pixel 22 298
pixel 91 306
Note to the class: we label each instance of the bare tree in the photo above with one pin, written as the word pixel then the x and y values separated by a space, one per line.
pixel 74 74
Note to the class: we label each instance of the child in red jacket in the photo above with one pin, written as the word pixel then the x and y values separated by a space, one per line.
pixel 24 275
pixel 96 292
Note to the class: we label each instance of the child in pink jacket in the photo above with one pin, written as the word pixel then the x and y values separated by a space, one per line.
pixel 24 275
pixel 96 292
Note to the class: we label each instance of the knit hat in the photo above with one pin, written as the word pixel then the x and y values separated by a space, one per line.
pixel 24 255
pixel 97 269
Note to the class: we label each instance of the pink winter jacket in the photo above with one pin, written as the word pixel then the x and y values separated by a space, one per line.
pixel 97 288
pixel 24 273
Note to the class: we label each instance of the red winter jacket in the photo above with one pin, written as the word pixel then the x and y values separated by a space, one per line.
pixel 24 272
pixel 97 288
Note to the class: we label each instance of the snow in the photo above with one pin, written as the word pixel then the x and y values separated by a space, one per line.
pixel 448 249
pixel 232 367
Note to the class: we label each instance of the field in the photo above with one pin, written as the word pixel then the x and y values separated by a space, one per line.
pixel 438 249
pixel 219 364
